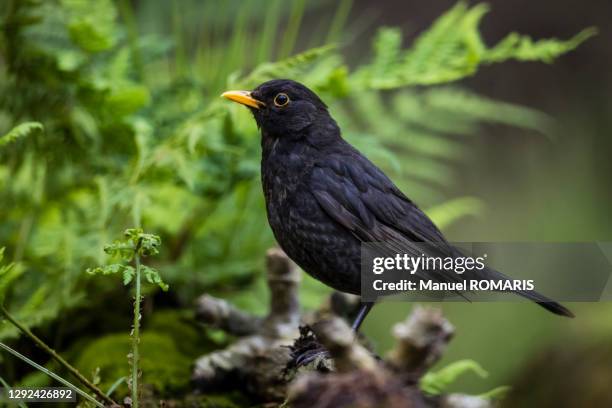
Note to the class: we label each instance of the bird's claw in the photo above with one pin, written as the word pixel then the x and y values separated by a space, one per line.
pixel 311 355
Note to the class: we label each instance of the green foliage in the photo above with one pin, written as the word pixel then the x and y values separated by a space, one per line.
pixel 91 25
pixel 523 48
pixel 135 134
pixel 135 243
pixel 135 246
pixel 20 131
pixel 496 393
pixel 164 367
pixel 437 382
pixel 453 49
pixel 8 274
pixel 434 125
pixel 188 336
pixel 51 374
pixel 446 213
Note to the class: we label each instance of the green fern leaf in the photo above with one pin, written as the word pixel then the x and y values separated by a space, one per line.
pixel 91 24
pixel 496 393
pixel 435 383
pixel 450 50
pixel 468 105
pixel 450 211
pixel 21 131
pixel 288 67
pixel 523 48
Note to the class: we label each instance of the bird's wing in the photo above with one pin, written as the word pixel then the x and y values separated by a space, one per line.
pixel 356 194
pixel 359 196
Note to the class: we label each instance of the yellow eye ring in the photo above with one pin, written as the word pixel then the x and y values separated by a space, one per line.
pixel 281 100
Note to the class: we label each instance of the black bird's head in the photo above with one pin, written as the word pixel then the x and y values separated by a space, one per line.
pixel 286 109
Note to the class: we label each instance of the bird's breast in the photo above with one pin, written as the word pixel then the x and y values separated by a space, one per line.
pixel 282 178
pixel 301 227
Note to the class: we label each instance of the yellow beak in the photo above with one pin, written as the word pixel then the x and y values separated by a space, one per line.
pixel 243 97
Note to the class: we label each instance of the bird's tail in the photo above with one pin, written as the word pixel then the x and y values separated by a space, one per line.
pixel 546 303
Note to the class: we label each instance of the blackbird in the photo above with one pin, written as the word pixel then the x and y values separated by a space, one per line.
pixel 324 198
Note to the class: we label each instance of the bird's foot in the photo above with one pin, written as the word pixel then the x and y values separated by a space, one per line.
pixel 309 356
pixel 307 350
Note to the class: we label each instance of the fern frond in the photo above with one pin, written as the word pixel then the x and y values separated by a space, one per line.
pixel 91 24
pixel 450 211
pixel 288 67
pixel 523 48
pixel 435 383
pixel 452 49
pixel 466 104
pixel 21 131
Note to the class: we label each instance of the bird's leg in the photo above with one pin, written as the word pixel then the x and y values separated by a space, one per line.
pixel 361 315
pixel 316 351
pixel 306 349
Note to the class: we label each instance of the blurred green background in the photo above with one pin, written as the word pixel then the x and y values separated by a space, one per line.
pixel 112 120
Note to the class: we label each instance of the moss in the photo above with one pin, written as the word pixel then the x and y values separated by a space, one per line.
pixel 165 369
pixel 180 326
pixel 170 341
pixel 226 400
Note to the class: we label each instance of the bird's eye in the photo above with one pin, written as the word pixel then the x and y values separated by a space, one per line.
pixel 281 100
